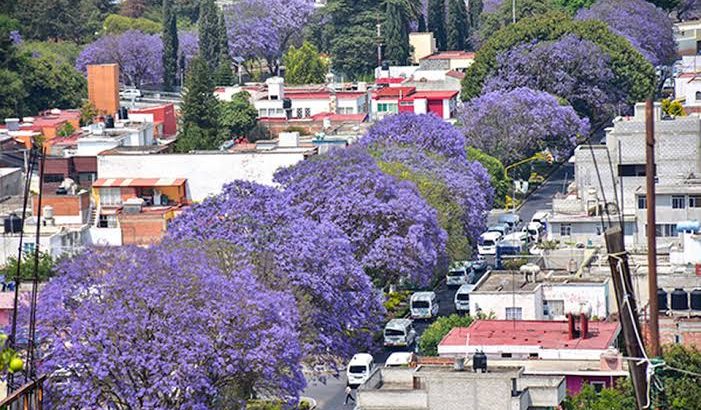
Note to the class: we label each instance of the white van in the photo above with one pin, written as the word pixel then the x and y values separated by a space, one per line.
pixel 359 369
pixel 462 298
pixel 458 274
pixel 423 305
pixel 399 359
pixel 517 237
pixel 487 243
pixel 540 217
pixel 399 332
pixel 534 231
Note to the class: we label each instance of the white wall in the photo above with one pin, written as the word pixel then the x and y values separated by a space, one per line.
pixel 573 295
pixel 206 173
pixel 531 304
pixel 315 106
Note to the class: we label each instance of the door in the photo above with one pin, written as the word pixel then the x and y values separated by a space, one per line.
pixel 436 107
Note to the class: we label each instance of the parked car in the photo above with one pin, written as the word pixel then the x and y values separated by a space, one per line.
pixel 423 305
pixel 502 228
pixel 511 219
pixel 487 243
pixel 359 369
pixel 535 231
pixel 130 94
pixel 399 332
pixel 462 298
pixel 400 359
pixel 540 217
pixel 458 274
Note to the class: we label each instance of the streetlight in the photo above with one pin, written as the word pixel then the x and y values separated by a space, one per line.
pixel 544 155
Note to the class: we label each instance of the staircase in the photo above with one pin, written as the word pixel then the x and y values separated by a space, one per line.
pixel 93 216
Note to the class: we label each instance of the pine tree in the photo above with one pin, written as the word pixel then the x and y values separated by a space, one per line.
pixel 200 127
pixel 223 37
pixel 210 39
pixel 223 75
pixel 170 45
pixel 436 22
pixel 475 10
pixel 304 65
pixel 397 49
pixel 458 26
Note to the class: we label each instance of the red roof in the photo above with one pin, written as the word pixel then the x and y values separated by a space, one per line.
pixel 137 182
pixel 393 92
pixel 431 95
pixel 390 80
pixel 455 74
pixel 449 55
pixel 339 117
pixel 350 94
pixel 547 334
pixel 323 95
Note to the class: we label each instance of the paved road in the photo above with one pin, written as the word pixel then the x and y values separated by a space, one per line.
pixel 330 394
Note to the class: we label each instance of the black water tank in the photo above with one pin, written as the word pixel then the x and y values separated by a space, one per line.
pixel 680 299
pixel 661 300
pixel 286 103
pixel 479 362
pixel 109 121
pixel 123 113
pixel 696 299
pixel 13 224
pixel 385 65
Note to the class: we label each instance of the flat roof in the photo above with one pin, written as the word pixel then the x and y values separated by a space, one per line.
pixel 432 95
pixel 137 182
pixel 446 55
pixel 393 92
pixel 510 281
pixel 694 188
pixel 546 334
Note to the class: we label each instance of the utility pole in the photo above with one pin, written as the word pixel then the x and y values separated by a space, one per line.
pixel 513 11
pixel 627 311
pixel 379 42
pixel 651 227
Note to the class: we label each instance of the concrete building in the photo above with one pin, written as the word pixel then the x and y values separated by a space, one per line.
pixel 48 124
pixel 10 182
pixel 448 60
pixel 687 34
pixel 422 45
pixel 103 87
pixel 436 387
pixel 511 296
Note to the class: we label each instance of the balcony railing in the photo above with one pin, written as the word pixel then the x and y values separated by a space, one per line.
pixel 28 397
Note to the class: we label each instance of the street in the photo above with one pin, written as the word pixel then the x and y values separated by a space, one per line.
pixel 330 395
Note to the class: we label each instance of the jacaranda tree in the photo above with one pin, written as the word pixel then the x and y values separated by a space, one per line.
pixel 647 27
pixel 513 125
pixel 165 328
pixel 313 261
pixel 394 232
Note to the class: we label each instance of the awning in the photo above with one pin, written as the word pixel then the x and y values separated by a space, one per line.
pixel 137 182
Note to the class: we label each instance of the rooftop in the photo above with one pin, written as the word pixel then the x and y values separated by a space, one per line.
pixel 510 281
pixel 545 334
pixel 137 182
pixel 393 92
pixel 432 95
pixel 446 55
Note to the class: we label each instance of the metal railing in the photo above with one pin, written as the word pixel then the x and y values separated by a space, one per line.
pixel 28 397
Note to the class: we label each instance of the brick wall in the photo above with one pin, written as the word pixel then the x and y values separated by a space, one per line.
pixel 103 87
pixel 142 229
pixel 64 205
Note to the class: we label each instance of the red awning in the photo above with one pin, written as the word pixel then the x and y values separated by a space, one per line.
pixel 137 182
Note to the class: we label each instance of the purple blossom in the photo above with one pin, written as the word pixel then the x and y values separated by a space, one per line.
pixel 394 232
pixel 647 27
pixel 490 6
pixel 139 55
pixel 512 125
pixel 424 132
pixel 168 327
pixel 570 67
pixel 292 253
pixel 188 48
pixel 15 37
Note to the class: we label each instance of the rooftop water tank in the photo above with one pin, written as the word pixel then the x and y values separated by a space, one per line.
pixel 479 362
pixel 13 224
pixel 689 226
pixel 680 299
pixel 695 297
pixel 661 300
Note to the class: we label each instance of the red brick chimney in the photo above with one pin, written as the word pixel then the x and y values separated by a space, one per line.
pixel 584 326
pixel 570 326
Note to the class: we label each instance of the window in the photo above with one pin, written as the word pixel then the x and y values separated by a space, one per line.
pixel 385 107
pixel 678 202
pixel 52 178
pixel 300 112
pixel 631 170
pixel 698 95
pixel 86 178
pixel 110 196
pixel 677 339
pixel 513 313
pixel 694 201
pixel 506 355
pixel 107 221
pixel 533 355
pixel 307 112
pixel 262 112
pixel 556 307
pixel 642 202
pixel 598 386
pixel 565 229
pixel 666 230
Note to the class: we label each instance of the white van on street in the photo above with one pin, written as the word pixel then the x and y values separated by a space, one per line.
pixel 399 332
pixel 359 369
pixel 487 243
pixel 458 274
pixel 399 359
pixel 423 305
pixel 462 298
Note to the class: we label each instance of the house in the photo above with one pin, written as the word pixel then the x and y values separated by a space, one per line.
pixel 162 117
pixel 385 101
pixel 687 35
pixel 48 124
pixel 440 103
pixel 514 296
pixel 583 352
pixel 458 386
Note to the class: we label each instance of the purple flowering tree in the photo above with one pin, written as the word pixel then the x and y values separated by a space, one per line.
pixel 513 125
pixel 570 67
pixel 188 47
pixel 263 28
pixel 312 260
pixel 647 27
pixel 394 232
pixel 139 56
pixel 165 328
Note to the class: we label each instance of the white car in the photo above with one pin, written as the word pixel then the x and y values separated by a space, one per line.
pixel 400 359
pixel 487 243
pixel 130 94
pixel 359 369
pixel 399 332
pixel 457 275
pixel 462 298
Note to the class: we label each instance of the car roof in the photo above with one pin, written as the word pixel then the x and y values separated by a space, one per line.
pixel 509 217
pixel 540 215
pixel 399 322
pixel 491 235
pixel 399 358
pixel 360 358
pixel 423 295
pixel 515 235
pixel 465 288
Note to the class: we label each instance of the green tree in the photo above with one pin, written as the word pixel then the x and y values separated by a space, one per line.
pixel 45 272
pixel 458 26
pixel 574 5
pixel 436 22
pixel 634 75
pixel 116 24
pixel 496 173
pixel 209 33
pixel 683 389
pixel 475 12
pixel 492 22
pixel 200 128
pixel 224 75
pixel 12 94
pixel 428 344
pixel 88 112
pixel 618 398
pixel 239 116
pixel 50 83
pixel 170 45
pixel 304 65
pixel 62 51
pixel 223 37
pixel 74 20
pixel 396 34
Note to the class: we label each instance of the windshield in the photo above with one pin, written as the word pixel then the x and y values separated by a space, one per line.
pixel 357 369
pixel 463 296
pixel 487 243
pixel 394 332
pixel 420 304
pixel 456 273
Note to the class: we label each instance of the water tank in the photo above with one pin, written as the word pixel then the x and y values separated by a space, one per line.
pixel 680 299
pixel 109 121
pixel 688 226
pixel 123 113
pixel 696 299
pixel 661 300
pixel 13 224
pixel 479 362
pixel 385 66
pixel 48 212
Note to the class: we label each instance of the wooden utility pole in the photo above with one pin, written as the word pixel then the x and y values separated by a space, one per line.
pixel 627 308
pixel 651 228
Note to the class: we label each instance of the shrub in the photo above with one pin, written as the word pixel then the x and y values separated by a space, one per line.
pixel 428 344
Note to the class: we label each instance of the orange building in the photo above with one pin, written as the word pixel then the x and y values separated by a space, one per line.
pixel 103 87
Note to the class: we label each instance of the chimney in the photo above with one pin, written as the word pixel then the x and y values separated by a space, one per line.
pixel 584 325
pixel 570 326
